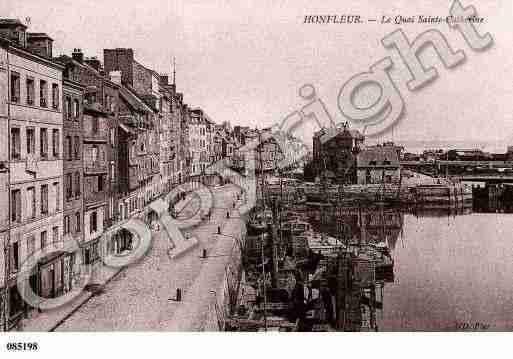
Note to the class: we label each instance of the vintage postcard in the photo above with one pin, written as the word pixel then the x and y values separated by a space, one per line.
pixel 224 166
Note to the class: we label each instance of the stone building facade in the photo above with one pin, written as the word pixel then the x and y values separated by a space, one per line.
pixel 73 174
pixel 32 105
pixel 335 150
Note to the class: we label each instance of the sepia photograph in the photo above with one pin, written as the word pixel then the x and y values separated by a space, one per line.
pixel 254 166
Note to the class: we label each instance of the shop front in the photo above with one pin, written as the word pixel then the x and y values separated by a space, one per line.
pixel 120 241
pixel 91 251
pixel 16 305
pixel 51 276
pixel 56 275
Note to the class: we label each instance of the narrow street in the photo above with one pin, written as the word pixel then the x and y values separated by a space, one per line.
pixel 142 297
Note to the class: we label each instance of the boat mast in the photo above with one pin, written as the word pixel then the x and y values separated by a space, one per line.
pixel 263 282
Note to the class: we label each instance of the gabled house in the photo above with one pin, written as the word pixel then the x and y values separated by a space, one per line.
pixel 378 165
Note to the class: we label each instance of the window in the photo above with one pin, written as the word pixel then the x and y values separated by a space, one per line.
pixel 77 147
pixel 15 144
pixel 55 143
pixel 44 199
pixel 55 96
pixel 77 185
pixel 67 225
pixel 31 202
pixel 91 98
pixel 43 93
pixel 77 222
pixel 95 125
pixel 112 138
pixel 69 190
pixel 31 244
pixel 93 222
pixel 68 107
pixel 57 192
pixel 16 205
pixel 94 153
pixel 15 87
pixel 30 91
pixel 112 174
pixel 31 141
pixel 100 183
pixel 76 109
pixel 69 148
pixel 44 239
pixel 55 234
pixel 43 143
pixel 14 257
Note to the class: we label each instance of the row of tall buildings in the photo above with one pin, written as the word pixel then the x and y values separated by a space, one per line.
pixel 86 145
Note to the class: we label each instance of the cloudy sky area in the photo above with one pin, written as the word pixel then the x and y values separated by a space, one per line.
pixel 244 62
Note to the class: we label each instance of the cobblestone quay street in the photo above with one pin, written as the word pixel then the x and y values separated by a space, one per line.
pixel 142 296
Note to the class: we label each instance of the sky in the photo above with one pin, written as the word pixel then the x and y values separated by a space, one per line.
pixel 244 61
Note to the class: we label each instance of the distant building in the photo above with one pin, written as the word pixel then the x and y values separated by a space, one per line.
pixel 378 165
pixel 335 149
pixel 199 142
pixel 100 116
pixel 73 217
pixel 432 155
pixel 473 154
pixel 145 83
pixel 408 156
pixel 509 153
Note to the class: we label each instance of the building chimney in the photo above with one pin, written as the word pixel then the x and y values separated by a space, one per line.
pixel 78 55
pixel 120 59
pixel 164 80
pixel 94 63
pixel 115 76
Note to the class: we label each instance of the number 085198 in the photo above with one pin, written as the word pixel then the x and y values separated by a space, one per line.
pixel 22 346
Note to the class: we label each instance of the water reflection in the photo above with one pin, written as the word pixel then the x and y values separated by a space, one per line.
pixel 450 267
pixel 357 275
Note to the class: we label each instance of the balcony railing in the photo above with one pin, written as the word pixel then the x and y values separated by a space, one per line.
pixel 95 197
pixel 100 136
pixel 93 167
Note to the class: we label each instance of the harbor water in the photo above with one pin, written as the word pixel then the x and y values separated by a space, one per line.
pixel 452 269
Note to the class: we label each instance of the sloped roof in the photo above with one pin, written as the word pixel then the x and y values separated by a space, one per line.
pixel 38 35
pixel 376 157
pixel 326 134
pixel 68 60
pixel 10 22
pixel 133 101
